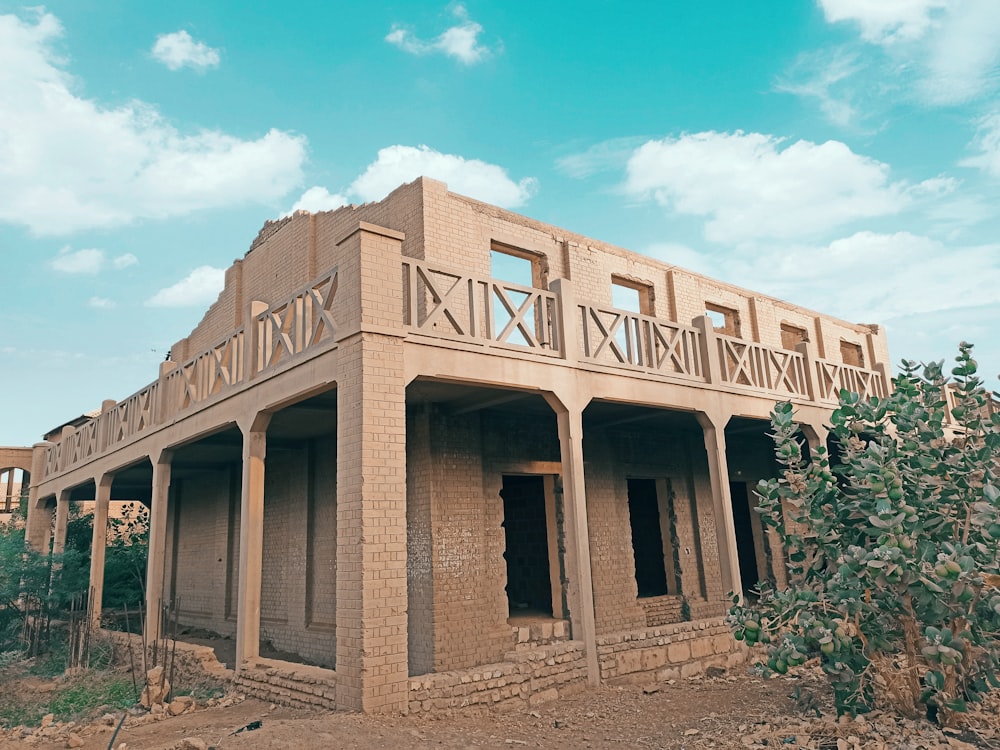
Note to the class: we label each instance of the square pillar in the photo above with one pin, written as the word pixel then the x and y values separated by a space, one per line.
pixel 62 520
pixel 372 670
pixel 157 546
pixel 714 427
pixel 580 584
pixel 251 540
pixel 98 544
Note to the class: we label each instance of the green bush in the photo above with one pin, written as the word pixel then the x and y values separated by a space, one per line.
pixel 893 552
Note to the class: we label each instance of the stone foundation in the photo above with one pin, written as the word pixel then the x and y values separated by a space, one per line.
pixel 287 684
pixel 525 678
pixel 668 652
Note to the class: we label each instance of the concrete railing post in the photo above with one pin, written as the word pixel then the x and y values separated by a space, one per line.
pixel 711 365
pixel 569 334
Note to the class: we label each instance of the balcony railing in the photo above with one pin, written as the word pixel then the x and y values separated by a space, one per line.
pixel 639 342
pixel 481 312
pixel 302 324
pixel 746 363
pixel 832 377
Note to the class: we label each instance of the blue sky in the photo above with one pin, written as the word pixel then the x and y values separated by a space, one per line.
pixel 841 154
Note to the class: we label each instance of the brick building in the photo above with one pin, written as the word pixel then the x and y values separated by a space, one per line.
pixel 440 454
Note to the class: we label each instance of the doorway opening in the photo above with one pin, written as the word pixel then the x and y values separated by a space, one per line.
pixel 529 586
pixel 647 538
pixel 746 544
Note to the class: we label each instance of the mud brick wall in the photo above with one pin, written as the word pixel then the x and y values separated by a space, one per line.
pixel 524 678
pixel 679 457
pixel 669 652
pixel 199 554
pixel 662 610
pixel 470 607
pixel 298 600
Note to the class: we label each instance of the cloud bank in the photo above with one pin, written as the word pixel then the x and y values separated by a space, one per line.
pixel 71 164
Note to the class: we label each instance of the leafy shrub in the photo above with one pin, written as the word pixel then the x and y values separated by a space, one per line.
pixel 894 552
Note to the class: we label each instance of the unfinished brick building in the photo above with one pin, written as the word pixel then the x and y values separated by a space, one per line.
pixel 441 455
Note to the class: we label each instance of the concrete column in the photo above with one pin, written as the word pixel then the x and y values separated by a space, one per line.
pixel 372 653
pixel 714 427
pixel 816 435
pixel 62 519
pixel 580 584
pixel 251 539
pixel 101 502
pixel 157 545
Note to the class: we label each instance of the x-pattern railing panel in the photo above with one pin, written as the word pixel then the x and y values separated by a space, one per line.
pixel 450 304
pixel 626 339
pixel 302 322
pixel 208 373
pixel 832 377
pixel 748 363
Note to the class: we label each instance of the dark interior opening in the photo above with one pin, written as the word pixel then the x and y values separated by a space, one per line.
pixel 746 551
pixel 647 539
pixel 529 590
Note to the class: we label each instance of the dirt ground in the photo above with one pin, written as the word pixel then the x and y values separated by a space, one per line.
pixel 734 711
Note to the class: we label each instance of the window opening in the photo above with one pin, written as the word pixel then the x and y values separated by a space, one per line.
pixel 514 268
pixel 725 320
pixel 851 353
pixel 792 336
pixel 746 549
pixel 529 587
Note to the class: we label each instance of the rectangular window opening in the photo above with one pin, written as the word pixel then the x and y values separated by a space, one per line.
pixel 725 320
pixel 852 353
pixel 633 296
pixel 792 336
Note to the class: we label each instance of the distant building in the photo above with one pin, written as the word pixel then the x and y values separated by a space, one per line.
pixel 451 456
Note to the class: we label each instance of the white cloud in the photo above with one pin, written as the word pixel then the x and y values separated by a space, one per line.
pixel 199 288
pixel 124 261
pixel 460 41
pixel 600 157
pixel 870 276
pixel 949 50
pixel 477 179
pixel 69 163
pixel 178 50
pixel 963 54
pixel 987 143
pixel 87 260
pixel 751 185
pixel 101 303
pixel 885 21
pixel 825 77
pixel 317 199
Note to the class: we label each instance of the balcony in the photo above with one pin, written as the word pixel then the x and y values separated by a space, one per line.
pixel 479 314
